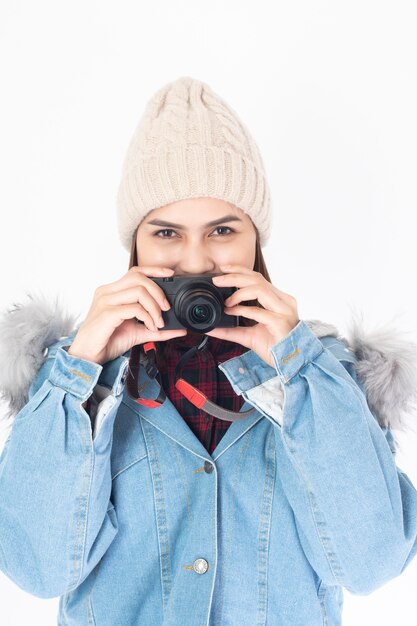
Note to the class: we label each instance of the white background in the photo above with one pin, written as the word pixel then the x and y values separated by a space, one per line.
pixel 328 91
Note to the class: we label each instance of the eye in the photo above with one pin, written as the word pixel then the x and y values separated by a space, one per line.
pixel 227 227
pixel 165 230
pixel 169 230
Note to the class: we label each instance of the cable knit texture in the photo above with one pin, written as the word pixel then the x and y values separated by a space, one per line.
pixel 190 143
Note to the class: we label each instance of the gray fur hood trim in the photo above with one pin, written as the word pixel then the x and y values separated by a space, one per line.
pixel 386 359
pixel 25 331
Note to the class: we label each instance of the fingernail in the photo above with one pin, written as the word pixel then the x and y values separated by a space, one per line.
pixel 161 322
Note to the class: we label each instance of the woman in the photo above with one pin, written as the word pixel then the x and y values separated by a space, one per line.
pixel 122 493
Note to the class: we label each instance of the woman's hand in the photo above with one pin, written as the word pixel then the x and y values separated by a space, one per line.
pixel 111 326
pixel 275 321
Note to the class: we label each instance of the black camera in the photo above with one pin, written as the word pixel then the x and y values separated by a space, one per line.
pixel 196 303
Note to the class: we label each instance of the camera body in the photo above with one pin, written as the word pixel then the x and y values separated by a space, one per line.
pixel 196 303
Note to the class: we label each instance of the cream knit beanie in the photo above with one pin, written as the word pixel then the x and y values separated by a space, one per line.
pixel 190 143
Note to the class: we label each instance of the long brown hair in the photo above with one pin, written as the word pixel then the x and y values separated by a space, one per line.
pixel 259 266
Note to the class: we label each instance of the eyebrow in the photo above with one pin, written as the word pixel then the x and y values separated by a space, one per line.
pixel 226 218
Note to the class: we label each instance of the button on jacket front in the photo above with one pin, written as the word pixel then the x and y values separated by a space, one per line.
pixel 134 522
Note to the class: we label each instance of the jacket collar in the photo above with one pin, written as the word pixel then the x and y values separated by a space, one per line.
pixel 386 360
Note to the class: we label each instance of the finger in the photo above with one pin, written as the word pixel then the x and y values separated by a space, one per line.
pixel 138 294
pixel 245 293
pixel 238 280
pixel 144 333
pixel 133 273
pixel 233 280
pixel 158 272
pixel 266 298
pixel 235 268
pixel 238 334
pixel 228 269
pixel 150 270
pixel 129 311
pixel 263 316
pixel 138 279
pixel 157 291
pixel 164 335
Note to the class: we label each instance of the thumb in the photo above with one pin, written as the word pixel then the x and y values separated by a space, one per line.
pixel 238 334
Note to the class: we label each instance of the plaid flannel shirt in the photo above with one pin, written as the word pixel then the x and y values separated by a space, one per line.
pixel 202 372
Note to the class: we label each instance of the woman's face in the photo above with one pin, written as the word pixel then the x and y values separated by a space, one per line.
pixel 182 236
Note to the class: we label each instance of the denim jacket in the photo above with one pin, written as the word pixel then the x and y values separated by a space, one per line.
pixel 132 522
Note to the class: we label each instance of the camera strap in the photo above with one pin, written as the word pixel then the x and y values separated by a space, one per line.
pixel 192 394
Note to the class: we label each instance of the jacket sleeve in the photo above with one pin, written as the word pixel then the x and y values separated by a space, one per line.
pixel 355 510
pixel 56 516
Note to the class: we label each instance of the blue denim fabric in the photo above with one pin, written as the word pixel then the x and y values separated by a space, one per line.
pixel 299 500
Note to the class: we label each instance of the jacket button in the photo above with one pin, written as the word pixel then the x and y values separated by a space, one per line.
pixel 208 467
pixel 200 566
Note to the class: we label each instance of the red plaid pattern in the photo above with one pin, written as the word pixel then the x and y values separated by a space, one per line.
pixel 202 372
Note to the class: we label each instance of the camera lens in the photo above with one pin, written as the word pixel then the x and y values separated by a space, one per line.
pixel 200 313
pixel 198 305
